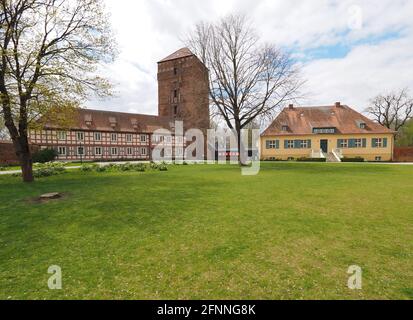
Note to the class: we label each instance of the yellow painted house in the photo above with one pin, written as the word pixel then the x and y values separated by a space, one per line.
pixel 331 132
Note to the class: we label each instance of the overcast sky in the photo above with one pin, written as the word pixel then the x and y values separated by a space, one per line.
pixel 350 50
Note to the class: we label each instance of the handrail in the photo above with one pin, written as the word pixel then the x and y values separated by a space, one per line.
pixel 336 154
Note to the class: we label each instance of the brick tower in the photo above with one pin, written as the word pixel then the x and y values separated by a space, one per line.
pixel 183 89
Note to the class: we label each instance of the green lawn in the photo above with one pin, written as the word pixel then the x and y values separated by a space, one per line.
pixel 206 232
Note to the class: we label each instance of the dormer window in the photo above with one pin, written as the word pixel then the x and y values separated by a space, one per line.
pixel 284 128
pixel 324 130
pixel 362 125
pixel 88 119
pixel 112 121
pixel 134 123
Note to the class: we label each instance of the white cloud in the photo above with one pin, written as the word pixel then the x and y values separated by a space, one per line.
pixel 149 30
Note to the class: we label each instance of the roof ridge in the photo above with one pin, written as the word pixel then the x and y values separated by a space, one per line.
pixel 122 112
pixel 178 54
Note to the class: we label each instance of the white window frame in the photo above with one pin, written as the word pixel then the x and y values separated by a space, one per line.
pixel 59 149
pixel 168 139
pixel 100 152
pixel 304 144
pixel 290 144
pixel 97 136
pixel 80 136
pixel 379 142
pixel 78 151
pixel 143 138
pixel 143 152
pixel 129 137
pixel 272 144
pixel 112 153
pixel 378 158
pixel 114 137
pixel 129 151
pixel 344 143
pixel 358 143
pixel 61 135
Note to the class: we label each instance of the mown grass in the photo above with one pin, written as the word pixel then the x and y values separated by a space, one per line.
pixel 206 232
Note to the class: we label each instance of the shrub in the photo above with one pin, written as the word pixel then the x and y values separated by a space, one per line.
pixel 125 167
pixel 139 167
pixel 356 159
pixel 45 155
pixel 88 167
pixel 304 159
pixel 101 169
pixel 154 166
pixel 163 167
pixel 48 169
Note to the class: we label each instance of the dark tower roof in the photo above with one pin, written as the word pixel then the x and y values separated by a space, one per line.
pixel 181 53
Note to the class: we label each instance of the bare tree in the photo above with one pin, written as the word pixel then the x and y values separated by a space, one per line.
pixel 248 79
pixel 392 110
pixel 49 52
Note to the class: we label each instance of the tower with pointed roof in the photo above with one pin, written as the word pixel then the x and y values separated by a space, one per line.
pixel 183 89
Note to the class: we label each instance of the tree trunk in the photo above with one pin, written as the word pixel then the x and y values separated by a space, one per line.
pixel 240 145
pixel 26 163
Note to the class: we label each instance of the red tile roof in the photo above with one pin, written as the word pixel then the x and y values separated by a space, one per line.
pixel 87 119
pixel 302 121
pixel 181 53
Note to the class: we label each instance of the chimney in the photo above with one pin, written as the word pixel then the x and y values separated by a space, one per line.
pixel 338 104
pixel 291 106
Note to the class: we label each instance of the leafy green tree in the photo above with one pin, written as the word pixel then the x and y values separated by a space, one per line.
pixel 49 54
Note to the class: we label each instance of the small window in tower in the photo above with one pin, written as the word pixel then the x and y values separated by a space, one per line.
pixel 175 70
pixel 175 93
pixel 175 110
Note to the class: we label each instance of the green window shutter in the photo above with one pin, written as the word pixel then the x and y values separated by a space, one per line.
pixel 339 141
pixel 374 143
pixel 267 144
pixel 364 143
pixel 385 143
pixel 277 144
pixel 297 144
pixel 309 143
pixel 285 144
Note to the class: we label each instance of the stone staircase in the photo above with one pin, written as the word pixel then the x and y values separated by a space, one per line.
pixel 332 157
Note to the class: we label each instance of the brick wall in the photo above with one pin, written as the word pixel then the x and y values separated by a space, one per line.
pixel 7 154
pixel 403 154
pixel 183 91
